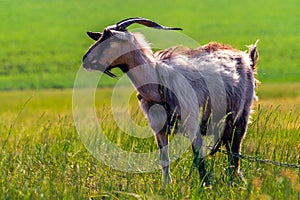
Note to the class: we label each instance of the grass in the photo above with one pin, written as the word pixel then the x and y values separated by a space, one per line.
pixel 43 157
pixel 42 43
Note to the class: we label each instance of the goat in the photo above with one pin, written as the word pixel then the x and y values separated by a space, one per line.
pixel 187 83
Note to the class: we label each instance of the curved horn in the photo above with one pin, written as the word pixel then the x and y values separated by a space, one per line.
pixel 122 25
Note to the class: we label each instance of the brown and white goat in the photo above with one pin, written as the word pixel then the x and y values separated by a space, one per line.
pixel 212 80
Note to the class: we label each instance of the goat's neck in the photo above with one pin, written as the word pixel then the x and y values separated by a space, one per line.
pixel 142 73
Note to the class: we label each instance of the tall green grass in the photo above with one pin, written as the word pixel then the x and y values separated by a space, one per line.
pixel 42 42
pixel 43 157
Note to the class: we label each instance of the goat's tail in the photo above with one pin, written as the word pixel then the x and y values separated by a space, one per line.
pixel 253 53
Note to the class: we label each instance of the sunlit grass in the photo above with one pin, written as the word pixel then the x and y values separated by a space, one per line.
pixel 44 157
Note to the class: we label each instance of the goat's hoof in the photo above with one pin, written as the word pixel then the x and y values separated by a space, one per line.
pixel 241 177
pixel 207 185
pixel 167 181
pixel 236 177
pixel 205 182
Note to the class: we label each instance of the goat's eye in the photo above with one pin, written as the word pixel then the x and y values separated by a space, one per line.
pixel 139 97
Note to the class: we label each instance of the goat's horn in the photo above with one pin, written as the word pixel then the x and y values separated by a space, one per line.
pixel 122 25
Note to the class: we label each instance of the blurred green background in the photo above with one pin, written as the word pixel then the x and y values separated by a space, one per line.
pixel 42 42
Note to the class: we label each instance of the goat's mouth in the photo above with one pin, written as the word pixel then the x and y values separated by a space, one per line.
pixel 89 69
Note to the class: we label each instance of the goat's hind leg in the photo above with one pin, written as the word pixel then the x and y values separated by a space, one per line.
pixel 198 160
pixel 233 147
pixel 162 142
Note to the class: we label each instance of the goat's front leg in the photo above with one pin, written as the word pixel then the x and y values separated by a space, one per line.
pixel 162 142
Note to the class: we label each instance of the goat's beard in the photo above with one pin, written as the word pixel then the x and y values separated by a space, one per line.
pixel 122 67
pixel 109 73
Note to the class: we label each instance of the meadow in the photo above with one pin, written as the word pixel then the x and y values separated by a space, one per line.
pixel 42 155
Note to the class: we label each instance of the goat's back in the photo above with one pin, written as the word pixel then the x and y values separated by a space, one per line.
pixel 213 66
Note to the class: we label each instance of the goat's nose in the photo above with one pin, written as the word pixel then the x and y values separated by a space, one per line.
pixel 86 64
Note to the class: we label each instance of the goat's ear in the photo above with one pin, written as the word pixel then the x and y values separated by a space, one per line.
pixel 94 35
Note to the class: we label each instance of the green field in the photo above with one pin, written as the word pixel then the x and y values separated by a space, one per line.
pixel 42 42
pixel 42 155
pixel 41 47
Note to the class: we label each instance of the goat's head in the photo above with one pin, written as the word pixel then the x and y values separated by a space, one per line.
pixel 113 44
